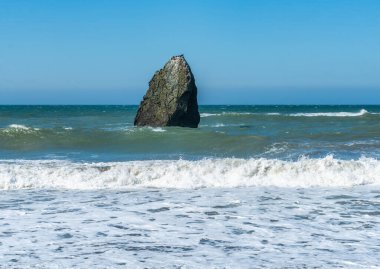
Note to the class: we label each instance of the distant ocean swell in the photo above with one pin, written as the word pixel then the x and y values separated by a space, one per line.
pixel 229 172
pixel 362 112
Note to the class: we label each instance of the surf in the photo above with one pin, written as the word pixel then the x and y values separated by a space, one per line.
pixel 206 173
pixel 362 112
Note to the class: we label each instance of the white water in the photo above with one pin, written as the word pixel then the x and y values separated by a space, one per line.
pixel 331 114
pixel 310 114
pixel 230 172
pixel 253 227
pixel 204 115
pixel 157 130
pixel 18 128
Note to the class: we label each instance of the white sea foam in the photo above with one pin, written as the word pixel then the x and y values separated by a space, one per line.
pixel 301 114
pixel 18 128
pixel 331 114
pixel 204 115
pixel 133 129
pixel 168 228
pixel 277 148
pixel 157 129
pixel 228 172
pixel 218 125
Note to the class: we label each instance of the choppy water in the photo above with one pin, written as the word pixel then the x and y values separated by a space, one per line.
pixel 106 133
pixel 253 187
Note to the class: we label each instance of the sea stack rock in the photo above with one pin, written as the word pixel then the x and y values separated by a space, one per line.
pixel 171 99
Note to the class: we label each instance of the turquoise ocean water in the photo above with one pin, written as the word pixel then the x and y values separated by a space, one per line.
pixel 252 187
pixel 106 133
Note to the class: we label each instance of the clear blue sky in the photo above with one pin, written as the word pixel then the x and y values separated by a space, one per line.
pixel 249 52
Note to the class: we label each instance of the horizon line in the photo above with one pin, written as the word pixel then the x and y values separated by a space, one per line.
pixel 269 104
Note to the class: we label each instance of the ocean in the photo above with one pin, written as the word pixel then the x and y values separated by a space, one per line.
pixel 252 187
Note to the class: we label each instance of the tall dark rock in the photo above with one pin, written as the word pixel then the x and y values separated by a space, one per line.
pixel 171 99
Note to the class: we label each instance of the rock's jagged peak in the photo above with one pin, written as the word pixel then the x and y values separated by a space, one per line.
pixel 177 61
pixel 178 58
pixel 173 68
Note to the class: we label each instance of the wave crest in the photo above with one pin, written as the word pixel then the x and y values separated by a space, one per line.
pixel 323 172
pixel 362 112
pixel 205 115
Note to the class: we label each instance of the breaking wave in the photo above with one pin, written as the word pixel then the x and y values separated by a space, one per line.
pixel 15 128
pixel 362 112
pixel 205 115
pixel 229 172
